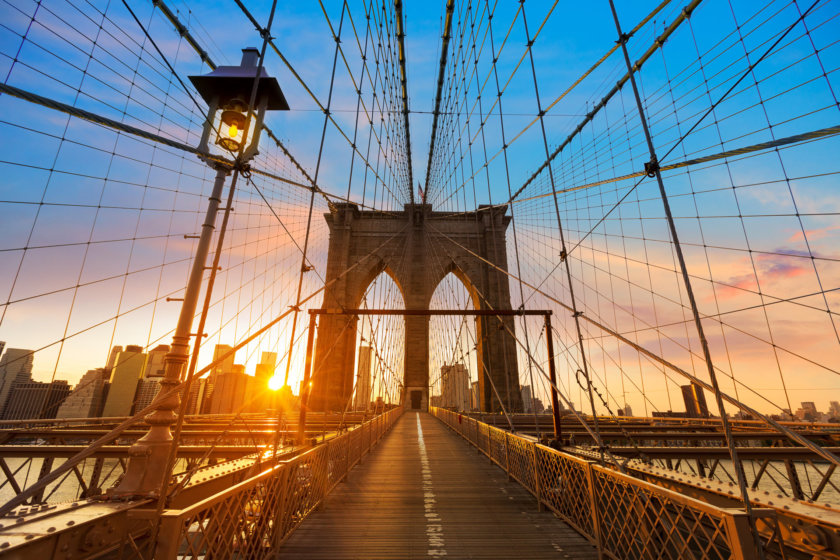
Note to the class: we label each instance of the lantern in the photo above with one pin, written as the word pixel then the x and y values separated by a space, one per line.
pixel 227 91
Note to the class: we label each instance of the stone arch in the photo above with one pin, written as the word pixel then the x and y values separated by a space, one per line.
pixel 453 367
pixel 368 277
pixel 417 247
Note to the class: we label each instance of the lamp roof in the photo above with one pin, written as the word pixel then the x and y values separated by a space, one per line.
pixel 232 82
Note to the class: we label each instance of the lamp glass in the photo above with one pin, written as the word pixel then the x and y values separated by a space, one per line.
pixel 231 129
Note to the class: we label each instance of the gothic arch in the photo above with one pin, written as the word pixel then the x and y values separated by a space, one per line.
pixel 368 276
pixel 417 248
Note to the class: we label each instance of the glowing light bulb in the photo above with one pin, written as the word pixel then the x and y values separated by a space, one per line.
pixel 233 130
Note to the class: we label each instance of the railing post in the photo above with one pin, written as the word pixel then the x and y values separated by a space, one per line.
pixel 739 534
pixel 537 478
pixel 284 475
pixel 593 507
pixel 168 537
pixel 346 456
pixel 507 456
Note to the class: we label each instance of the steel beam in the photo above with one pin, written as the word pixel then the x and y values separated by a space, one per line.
pixel 435 312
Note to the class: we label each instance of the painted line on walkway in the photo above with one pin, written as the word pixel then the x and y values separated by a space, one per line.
pixel 434 528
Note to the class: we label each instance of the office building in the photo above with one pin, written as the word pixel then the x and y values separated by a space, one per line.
pixel 265 369
pixel 147 390
pixel 527 399
pixel 455 383
pixel 112 358
pixel 475 399
pixel 361 399
pixel 226 364
pixel 808 412
pixel 258 397
pixel 154 363
pixel 128 369
pixel 32 399
pixel 88 397
pixel 229 391
pixel 196 398
pixel 15 367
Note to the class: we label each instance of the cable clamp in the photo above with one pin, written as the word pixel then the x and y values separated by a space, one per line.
pixel 577 314
pixel 651 167
pixel 563 255
pixel 306 267
pixel 622 38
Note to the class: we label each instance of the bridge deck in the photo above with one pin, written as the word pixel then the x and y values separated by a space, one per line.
pixel 425 493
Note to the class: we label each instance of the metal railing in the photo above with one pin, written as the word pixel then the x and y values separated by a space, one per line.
pixel 257 515
pixel 624 517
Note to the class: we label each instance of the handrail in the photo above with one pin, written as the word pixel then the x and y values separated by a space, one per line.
pixel 263 510
pixel 624 517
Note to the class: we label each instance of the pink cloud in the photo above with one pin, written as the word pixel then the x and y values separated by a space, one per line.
pixel 813 234
pixel 770 271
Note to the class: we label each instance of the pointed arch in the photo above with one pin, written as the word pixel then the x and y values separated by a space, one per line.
pixel 367 277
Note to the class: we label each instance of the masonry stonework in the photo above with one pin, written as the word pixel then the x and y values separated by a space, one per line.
pixel 417 248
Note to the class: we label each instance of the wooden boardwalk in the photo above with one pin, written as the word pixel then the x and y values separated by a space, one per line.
pixel 423 493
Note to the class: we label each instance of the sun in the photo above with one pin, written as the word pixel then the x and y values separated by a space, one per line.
pixel 275 383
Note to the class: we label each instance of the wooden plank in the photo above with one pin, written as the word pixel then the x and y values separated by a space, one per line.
pixel 467 509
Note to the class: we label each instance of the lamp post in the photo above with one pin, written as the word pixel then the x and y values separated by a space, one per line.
pixel 226 91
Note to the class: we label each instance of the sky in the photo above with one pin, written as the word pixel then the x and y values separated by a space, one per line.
pixel 92 222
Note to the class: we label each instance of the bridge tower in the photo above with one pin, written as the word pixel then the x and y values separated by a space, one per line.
pixel 417 248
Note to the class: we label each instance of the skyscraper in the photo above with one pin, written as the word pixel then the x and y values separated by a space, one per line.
pixel 196 396
pixel 112 358
pixel 31 399
pixel 225 365
pixel 147 390
pixel 229 390
pixel 361 400
pixel 456 386
pixel 88 398
pixel 15 367
pixel 258 395
pixel 527 399
pixel 154 363
pixel 265 369
pixel 128 369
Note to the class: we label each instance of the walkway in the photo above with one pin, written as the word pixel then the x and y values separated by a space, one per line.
pixel 425 493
